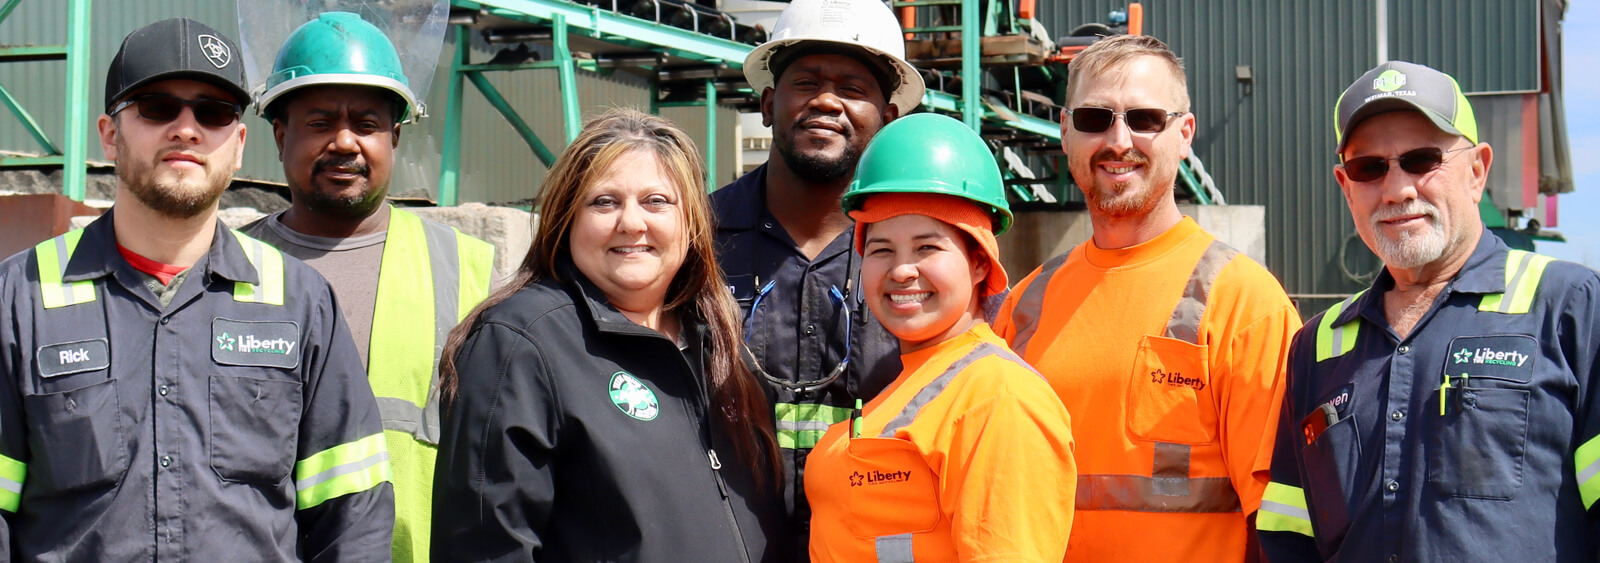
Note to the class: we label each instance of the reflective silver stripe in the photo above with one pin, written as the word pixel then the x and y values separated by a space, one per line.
pixel 442 258
pixel 802 425
pixel 1031 305
pixel 1169 489
pixel 894 549
pixel 1587 473
pixel 16 487
pixel 343 469
pixel 401 415
pixel 257 250
pixel 935 387
pixel 62 257
pixel 1185 322
pixel 1511 288
pixel 1286 510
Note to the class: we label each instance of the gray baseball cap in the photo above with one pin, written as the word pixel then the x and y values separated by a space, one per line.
pixel 1399 85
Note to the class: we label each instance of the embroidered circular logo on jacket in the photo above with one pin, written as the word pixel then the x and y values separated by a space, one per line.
pixel 632 397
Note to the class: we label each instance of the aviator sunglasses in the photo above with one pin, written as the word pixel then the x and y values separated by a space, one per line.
pixel 163 108
pixel 1415 161
pixel 1142 120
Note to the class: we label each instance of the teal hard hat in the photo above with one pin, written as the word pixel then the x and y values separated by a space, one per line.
pixel 931 154
pixel 338 48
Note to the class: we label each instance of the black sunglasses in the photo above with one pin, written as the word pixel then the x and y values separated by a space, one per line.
pixel 163 108
pixel 1416 161
pixel 1143 120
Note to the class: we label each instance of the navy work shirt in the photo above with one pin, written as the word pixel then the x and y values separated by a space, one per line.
pixel 211 429
pixel 797 331
pixel 1367 467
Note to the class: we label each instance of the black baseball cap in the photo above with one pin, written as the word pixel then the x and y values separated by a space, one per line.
pixel 1399 85
pixel 176 48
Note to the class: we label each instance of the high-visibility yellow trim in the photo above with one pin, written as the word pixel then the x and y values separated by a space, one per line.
pixel 477 267
pixel 269 269
pixel 1332 341
pixel 13 474
pixel 341 470
pixel 801 426
pixel 1588 458
pixel 1283 509
pixel 51 257
pixel 1523 272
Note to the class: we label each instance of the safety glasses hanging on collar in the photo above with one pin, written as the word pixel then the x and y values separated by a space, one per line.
pixel 802 386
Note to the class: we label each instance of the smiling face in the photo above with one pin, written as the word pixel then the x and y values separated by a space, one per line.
pixel 1123 173
pixel 823 110
pixel 178 168
pixel 918 275
pixel 337 146
pixel 1414 220
pixel 629 235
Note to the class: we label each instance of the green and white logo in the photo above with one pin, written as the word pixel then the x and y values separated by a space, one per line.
pixel 1389 81
pixel 632 397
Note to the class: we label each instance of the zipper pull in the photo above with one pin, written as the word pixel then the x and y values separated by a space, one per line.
pixel 716 464
pixel 716 472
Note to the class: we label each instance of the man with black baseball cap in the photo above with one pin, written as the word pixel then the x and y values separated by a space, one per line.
pixel 170 389
pixel 1451 411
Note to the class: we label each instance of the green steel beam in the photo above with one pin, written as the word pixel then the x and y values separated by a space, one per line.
pixel 27 121
pixel 940 101
pixel 23 53
pixel 450 165
pixel 7 160
pixel 711 134
pixel 605 24
pixel 74 174
pixel 971 76
pixel 586 65
pixel 499 102
pixel 5 9
pixel 569 80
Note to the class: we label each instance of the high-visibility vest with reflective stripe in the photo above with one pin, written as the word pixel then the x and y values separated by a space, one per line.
pixel 53 255
pixel 431 276
pixel 1588 468
pixel 1283 509
pixel 1523 269
pixel 1170 487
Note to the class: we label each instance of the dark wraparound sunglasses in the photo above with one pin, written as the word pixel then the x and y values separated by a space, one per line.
pixel 1142 120
pixel 1415 161
pixel 163 108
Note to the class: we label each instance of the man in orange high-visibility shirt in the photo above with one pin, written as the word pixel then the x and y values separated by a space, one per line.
pixel 1167 347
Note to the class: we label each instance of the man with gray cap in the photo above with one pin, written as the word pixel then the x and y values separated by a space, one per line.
pixel 832 75
pixel 1451 411
pixel 172 390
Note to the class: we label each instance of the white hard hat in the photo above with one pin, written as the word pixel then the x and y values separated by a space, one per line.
pixel 868 25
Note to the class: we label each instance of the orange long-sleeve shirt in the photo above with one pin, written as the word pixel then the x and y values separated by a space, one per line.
pixel 967 456
pixel 1170 356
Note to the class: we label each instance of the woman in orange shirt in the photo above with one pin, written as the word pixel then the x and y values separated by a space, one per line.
pixel 967 455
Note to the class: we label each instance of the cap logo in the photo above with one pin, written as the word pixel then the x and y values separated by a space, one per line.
pixel 215 50
pixel 1389 81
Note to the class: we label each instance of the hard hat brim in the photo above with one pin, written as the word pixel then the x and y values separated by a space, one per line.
pixel 907 96
pixel 411 112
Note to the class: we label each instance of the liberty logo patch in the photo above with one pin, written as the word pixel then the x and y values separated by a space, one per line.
pixel 215 50
pixel 1509 357
pixel 255 343
pixel 875 477
pixel 632 397
pixel 73 357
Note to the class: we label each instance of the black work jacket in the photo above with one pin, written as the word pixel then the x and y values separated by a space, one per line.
pixel 577 435
pixel 178 433
pixel 798 332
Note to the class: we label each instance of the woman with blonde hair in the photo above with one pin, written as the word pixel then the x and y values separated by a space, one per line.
pixel 597 406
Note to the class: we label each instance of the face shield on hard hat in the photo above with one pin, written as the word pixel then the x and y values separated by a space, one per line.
pixel 867 25
pixel 388 44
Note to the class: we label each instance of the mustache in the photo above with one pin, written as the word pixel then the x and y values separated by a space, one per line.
pixel 348 163
pixel 1411 207
pixel 1132 156
pixel 842 124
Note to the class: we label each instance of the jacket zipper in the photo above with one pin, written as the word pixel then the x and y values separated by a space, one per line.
pixel 716 466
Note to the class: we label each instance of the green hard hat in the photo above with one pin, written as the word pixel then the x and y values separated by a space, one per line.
pixel 338 48
pixel 931 154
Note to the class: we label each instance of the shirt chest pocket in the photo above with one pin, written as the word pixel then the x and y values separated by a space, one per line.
pixel 78 437
pixel 254 428
pixel 1169 393
pixel 1476 446
pixel 892 490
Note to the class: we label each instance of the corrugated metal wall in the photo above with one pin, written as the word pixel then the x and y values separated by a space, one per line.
pixel 496 165
pixel 1487 45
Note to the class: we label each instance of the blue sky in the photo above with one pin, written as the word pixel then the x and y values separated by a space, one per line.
pixel 1579 212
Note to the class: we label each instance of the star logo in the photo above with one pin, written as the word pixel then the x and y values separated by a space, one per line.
pixel 856 478
pixel 225 342
pixel 1463 356
pixel 1158 376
